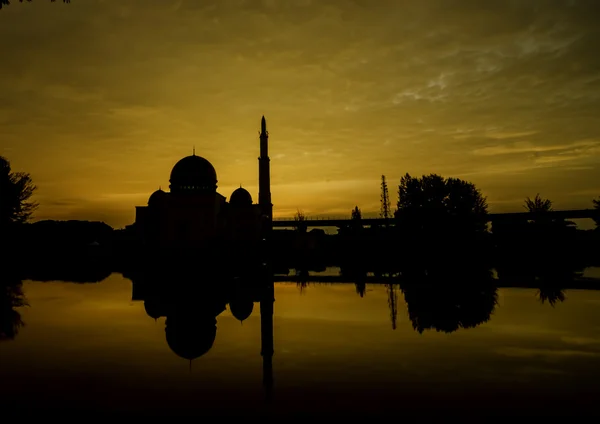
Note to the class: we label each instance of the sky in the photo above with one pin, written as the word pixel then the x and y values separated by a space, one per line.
pixel 100 98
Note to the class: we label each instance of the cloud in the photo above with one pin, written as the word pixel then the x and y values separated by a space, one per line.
pixel 114 92
pixel 582 341
pixel 505 135
pixel 545 353
pixel 525 147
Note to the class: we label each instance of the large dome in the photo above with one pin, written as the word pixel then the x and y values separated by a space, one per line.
pixel 193 174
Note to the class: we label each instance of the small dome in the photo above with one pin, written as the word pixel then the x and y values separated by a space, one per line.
pixel 241 309
pixel 193 174
pixel 240 197
pixel 157 197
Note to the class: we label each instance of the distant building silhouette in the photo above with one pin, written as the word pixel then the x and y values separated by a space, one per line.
pixel 194 214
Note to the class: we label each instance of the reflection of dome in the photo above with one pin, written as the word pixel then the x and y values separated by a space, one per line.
pixel 190 338
pixel 153 309
pixel 241 309
pixel 193 174
pixel 240 197
pixel 157 197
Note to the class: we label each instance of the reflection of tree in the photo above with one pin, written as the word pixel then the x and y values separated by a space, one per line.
pixel 11 297
pixel 7 2
pixel 361 288
pixel 548 270
pixel 463 300
pixel 358 275
pixel 551 273
pixel 302 275
pixel 447 309
pixel 553 278
pixel 552 295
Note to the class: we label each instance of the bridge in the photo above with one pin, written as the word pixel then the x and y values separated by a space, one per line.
pixel 492 217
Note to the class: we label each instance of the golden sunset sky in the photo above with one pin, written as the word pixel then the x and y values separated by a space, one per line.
pixel 100 98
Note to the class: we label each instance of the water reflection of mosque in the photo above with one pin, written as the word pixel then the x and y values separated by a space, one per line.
pixel 191 308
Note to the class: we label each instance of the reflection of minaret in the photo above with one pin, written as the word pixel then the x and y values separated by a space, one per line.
pixel 266 333
pixel 264 176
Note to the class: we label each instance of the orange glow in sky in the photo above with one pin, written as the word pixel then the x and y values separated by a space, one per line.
pixel 100 98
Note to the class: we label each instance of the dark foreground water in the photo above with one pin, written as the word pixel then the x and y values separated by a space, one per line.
pixel 87 350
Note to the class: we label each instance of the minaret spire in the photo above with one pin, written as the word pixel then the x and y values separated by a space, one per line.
pixel 264 177
pixel 194 151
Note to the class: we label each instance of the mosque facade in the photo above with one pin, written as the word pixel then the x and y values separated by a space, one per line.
pixel 193 214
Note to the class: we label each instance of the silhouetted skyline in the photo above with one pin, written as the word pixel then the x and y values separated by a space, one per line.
pixel 101 98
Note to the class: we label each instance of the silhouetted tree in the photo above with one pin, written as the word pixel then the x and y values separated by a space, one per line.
pixel 356 214
pixel 597 207
pixel 7 2
pixel 300 219
pixel 545 223
pixel 356 221
pixel 432 209
pixel 386 210
pixel 538 204
pixel 16 188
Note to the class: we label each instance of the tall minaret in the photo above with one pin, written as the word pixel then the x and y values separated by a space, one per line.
pixel 264 175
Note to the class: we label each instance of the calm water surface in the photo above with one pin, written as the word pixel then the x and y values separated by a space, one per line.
pixel 90 348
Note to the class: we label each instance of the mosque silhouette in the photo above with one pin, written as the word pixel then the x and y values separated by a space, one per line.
pixel 193 214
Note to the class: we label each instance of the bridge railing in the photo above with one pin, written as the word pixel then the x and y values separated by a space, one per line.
pixel 556 214
pixel 323 218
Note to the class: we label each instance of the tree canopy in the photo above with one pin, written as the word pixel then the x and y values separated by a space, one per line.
pixel 597 207
pixel 300 221
pixel 7 2
pixel 538 204
pixel 436 206
pixel 539 208
pixel 356 214
pixel 16 189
